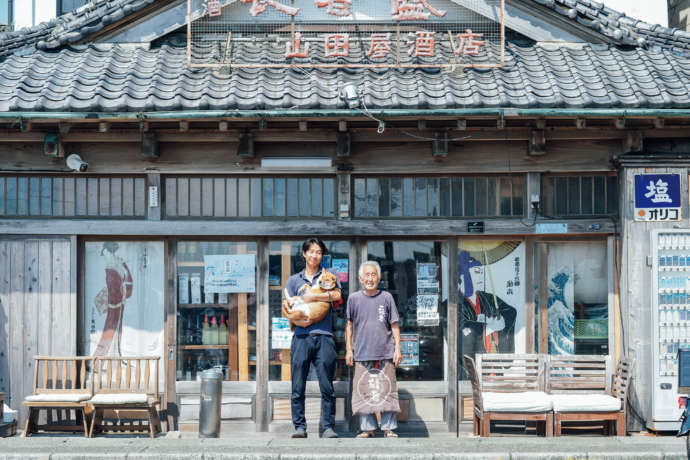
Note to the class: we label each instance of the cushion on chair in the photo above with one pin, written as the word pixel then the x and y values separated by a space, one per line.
pixel 58 397
pixel 119 398
pixel 526 401
pixel 585 403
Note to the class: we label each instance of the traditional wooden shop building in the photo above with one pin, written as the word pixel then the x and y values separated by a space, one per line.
pixel 157 177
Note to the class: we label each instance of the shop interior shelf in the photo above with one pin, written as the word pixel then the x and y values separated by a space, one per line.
pixel 204 347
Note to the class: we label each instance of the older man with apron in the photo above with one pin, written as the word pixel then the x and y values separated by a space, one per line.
pixel 372 339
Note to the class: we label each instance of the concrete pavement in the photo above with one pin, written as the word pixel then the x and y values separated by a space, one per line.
pixel 270 446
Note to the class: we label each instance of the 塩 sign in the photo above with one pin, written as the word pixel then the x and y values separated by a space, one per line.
pixel 657 197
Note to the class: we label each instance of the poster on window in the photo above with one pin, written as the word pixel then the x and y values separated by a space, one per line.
pixel 492 296
pixel 124 298
pixel 230 273
pixel 577 280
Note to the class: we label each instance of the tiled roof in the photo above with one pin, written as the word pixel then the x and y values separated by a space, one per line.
pixel 108 78
pixel 618 26
pixel 71 27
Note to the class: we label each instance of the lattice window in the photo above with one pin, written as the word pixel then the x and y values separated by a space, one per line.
pixel 580 195
pixel 439 196
pixel 28 196
pixel 224 197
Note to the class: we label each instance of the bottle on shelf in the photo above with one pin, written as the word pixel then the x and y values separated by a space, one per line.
pixel 213 333
pixel 205 332
pixel 197 332
pixel 188 332
pixel 222 331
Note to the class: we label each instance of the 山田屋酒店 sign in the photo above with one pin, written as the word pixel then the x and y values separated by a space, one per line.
pixel 657 197
pixel 345 33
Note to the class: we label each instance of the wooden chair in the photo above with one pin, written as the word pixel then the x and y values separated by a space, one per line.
pixel 126 388
pixel 60 384
pixel 508 387
pixel 581 390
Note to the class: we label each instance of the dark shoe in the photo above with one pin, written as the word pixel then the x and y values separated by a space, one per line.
pixel 329 433
pixel 299 433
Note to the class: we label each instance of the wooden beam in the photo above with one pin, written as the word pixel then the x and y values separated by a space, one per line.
pixel 634 142
pixel 334 227
pixel 329 135
pixel 537 143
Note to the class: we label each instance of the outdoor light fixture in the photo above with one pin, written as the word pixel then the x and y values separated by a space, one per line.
pixel 52 146
pixel 245 148
pixel 350 94
pixel 296 163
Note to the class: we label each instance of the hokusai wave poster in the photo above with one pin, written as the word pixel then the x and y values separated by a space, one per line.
pixel 124 298
pixel 492 296
pixel 577 279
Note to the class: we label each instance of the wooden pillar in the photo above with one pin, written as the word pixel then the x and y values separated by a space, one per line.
pixel 453 329
pixel 170 396
pixel 530 270
pixel 343 211
pixel 285 268
pixel 533 188
pixel 262 407
pixel 543 256
pixel 154 212
pixel 243 327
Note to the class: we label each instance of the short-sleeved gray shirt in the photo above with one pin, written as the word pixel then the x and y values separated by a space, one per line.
pixel 371 318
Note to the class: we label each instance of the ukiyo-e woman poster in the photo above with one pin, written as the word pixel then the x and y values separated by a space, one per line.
pixel 492 296
pixel 124 298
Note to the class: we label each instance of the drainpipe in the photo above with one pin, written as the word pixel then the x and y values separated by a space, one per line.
pixel 347 113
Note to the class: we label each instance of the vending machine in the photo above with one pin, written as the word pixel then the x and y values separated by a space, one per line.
pixel 670 309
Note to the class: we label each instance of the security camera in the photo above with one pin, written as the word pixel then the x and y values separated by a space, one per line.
pixel 75 163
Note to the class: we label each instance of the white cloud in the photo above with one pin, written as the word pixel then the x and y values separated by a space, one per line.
pixel 652 11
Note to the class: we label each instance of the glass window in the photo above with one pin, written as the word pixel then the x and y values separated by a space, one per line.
pixel 216 314
pixel 412 273
pixel 284 261
pixel 576 309
pixel 491 289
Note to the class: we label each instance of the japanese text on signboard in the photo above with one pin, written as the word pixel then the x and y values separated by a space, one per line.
pixel 657 197
pixel 345 33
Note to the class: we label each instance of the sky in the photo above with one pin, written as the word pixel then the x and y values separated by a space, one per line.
pixel 652 11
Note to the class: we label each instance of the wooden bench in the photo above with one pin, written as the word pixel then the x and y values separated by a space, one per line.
pixel 581 390
pixel 60 383
pixel 126 388
pixel 509 387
